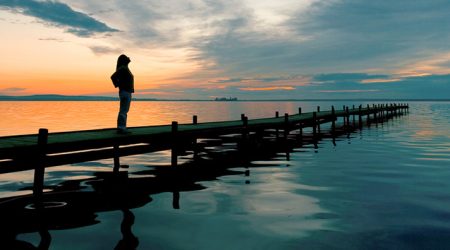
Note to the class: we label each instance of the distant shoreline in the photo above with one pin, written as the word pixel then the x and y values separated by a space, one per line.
pixel 108 98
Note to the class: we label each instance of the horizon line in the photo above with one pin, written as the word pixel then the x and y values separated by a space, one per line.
pixel 57 97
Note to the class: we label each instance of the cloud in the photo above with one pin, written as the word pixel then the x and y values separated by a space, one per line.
pixel 347 91
pixel 102 50
pixel 12 89
pixel 58 14
pixel 267 88
pixel 347 77
pixel 263 80
pixel 335 36
pixel 53 39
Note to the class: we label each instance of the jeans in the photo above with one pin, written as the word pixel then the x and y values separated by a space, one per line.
pixel 125 100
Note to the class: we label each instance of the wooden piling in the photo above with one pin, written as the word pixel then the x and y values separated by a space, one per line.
pixel 375 113
pixel 360 116
pixel 194 140
pixel 353 109
pixel 314 125
pixel 286 134
pixel 347 115
pixel 300 124
pixel 333 121
pixel 174 155
pixel 277 131
pixel 286 125
pixel 244 128
pixel 318 124
pixel 343 118
pixel 116 159
pixel 39 171
pixel 194 119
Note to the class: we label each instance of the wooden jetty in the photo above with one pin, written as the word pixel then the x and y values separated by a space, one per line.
pixel 38 151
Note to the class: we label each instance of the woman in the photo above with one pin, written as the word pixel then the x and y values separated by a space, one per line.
pixel 123 78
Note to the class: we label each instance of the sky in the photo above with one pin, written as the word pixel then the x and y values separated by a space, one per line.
pixel 249 49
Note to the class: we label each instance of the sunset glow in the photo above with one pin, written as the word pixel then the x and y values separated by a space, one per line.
pixel 179 49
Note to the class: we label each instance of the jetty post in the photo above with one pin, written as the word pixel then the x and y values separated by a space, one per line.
pixel 314 125
pixel 244 127
pixel 353 110
pixel 375 113
pixel 174 155
pixel 300 123
pixel 194 120
pixel 360 116
pixel 277 114
pixel 194 140
pixel 333 121
pixel 286 134
pixel 343 118
pixel 318 123
pixel 116 158
pixel 347 116
pixel 39 171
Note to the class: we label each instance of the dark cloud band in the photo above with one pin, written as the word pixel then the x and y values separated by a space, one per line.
pixel 58 14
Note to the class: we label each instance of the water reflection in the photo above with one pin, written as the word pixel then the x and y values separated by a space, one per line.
pixel 110 192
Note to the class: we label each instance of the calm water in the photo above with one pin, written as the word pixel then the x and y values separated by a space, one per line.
pixel 384 187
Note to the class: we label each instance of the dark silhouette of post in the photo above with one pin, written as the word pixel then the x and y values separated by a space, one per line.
pixel 333 121
pixel 116 159
pixel 174 156
pixel 286 134
pixel 300 123
pixel 314 125
pixel 194 140
pixel 244 127
pixel 244 133
pixel 360 116
pixel 40 166
pixel 277 131
pixel 344 120
pixel 318 123
pixel 286 125
pixel 353 111
pixel 347 116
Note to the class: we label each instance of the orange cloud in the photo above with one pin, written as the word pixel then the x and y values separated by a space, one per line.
pixel 267 88
pixel 381 80
pixel 348 91
pixel 437 64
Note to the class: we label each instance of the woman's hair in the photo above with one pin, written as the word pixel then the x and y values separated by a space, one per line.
pixel 123 60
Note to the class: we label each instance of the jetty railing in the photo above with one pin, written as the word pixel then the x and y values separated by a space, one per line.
pixel 38 151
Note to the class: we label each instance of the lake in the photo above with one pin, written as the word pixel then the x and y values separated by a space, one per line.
pixel 386 186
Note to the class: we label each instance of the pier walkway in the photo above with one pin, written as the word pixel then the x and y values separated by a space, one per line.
pixel 38 151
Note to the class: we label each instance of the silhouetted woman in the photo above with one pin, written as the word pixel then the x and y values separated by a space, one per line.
pixel 124 80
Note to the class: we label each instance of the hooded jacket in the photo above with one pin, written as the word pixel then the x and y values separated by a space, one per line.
pixel 124 79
